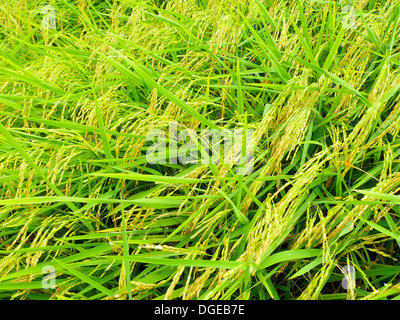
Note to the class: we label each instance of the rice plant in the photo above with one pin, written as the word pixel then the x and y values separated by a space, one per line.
pixel 85 215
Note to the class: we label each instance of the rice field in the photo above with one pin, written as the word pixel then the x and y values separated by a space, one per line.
pixel 199 150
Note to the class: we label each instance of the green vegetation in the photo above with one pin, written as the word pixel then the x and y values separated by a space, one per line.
pixel 76 190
